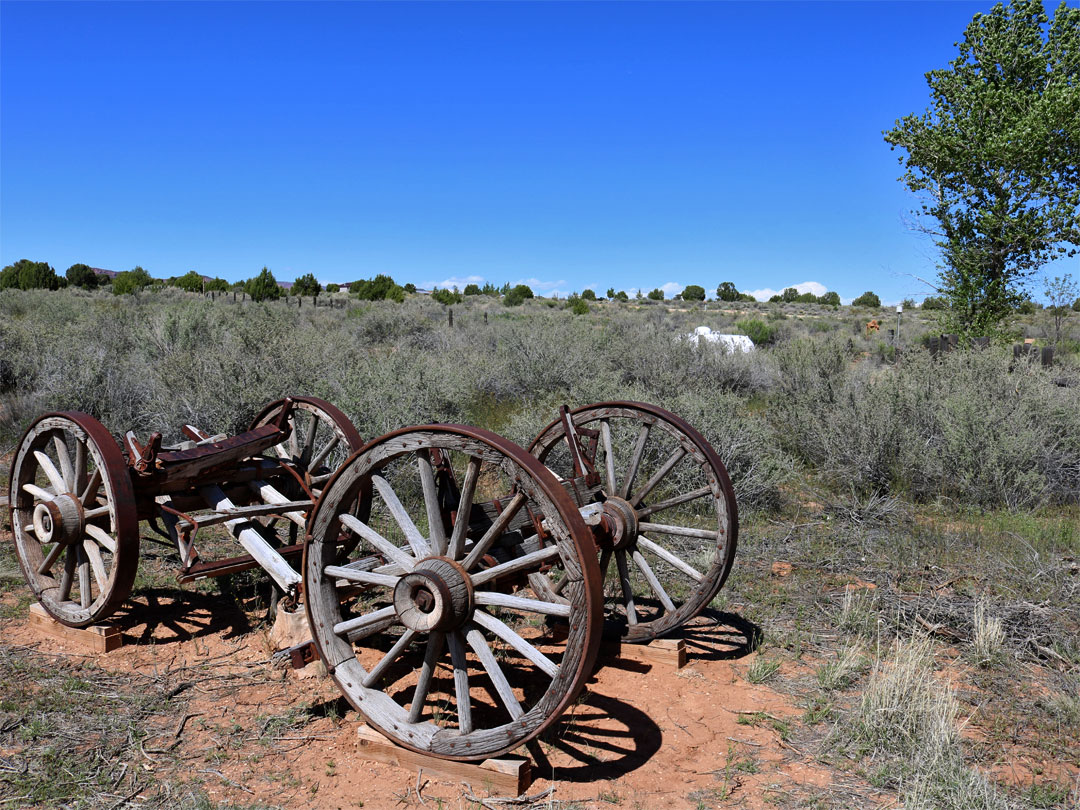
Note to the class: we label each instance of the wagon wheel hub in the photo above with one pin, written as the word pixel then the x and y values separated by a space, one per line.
pixel 618 527
pixel 436 595
pixel 59 520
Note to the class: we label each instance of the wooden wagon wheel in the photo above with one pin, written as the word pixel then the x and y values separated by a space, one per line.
pixel 74 518
pixel 320 440
pixel 671 514
pixel 422 630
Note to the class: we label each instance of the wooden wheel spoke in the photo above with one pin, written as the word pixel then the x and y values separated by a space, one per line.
pixel 85 597
pixel 676 501
pixel 507 634
pixel 513 566
pixel 432 654
pixel 376 617
pixel 68 576
pixel 80 466
pixel 680 531
pixel 91 488
pixel 659 475
pixel 363 577
pixel 391 552
pixel 464 510
pixel 654 583
pixel 505 600
pixel 309 441
pixel 412 534
pixel 494 671
pixel 461 682
pixel 53 474
pixel 97 511
pixel 669 558
pixel 609 457
pixel 97 565
pixel 325 452
pixel 101 537
pixel 494 531
pixel 605 563
pixel 395 652
pixel 292 442
pixel 51 557
pixel 64 457
pixel 635 460
pixel 627 588
pixel 38 492
pixel 436 529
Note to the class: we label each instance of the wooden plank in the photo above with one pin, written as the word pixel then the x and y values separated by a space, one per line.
pixel 664 652
pixel 504 776
pixel 99 638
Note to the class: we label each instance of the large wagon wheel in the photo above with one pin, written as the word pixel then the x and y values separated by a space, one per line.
pixel 422 630
pixel 670 503
pixel 320 440
pixel 74 517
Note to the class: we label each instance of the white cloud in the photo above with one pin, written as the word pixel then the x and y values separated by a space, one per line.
pixel 453 281
pixel 537 286
pixel 672 288
pixel 803 287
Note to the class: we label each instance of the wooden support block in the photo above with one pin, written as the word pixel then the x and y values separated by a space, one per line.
pixel 99 638
pixel 665 652
pixel 505 776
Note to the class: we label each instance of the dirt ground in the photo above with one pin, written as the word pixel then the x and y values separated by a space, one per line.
pixel 643 735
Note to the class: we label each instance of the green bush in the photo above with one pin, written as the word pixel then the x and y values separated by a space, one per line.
pixel 132 281
pixel 447 297
pixel 693 292
pixel 758 331
pixel 588 295
pixel 372 289
pixel 80 275
pixel 656 295
pixel 517 296
pixel 867 299
pixel 578 305
pixel 263 287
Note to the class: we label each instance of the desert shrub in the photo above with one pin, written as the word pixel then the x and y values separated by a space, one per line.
pixel 867 299
pixel 447 297
pixel 972 425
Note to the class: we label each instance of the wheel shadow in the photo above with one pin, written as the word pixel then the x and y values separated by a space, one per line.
pixel 162 616
pixel 715 635
pixel 600 738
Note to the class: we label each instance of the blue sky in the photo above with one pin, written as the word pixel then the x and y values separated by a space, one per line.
pixel 565 145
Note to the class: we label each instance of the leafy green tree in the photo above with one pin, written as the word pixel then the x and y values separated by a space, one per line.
pixel 217 285
pixel 789 295
pixel 776 299
pixel 727 292
pixel 27 275
pixel 396 294
pixel 190 281
pixel 830 298
pixel 747 297
pixel 263 287
pixel 1059 293
pixel 656 295
pixel 621 296
pixel 472 289
pixel 410 288
pixel 610 292
pixel 693 292
pixel 333 288
pixel 867 299
pixel 1076 305
pixel 307 284
pixel 516 296
pixel 934 302
pixel 996 158
pixel 373 289
pixel 80 275
pixel 588 295
pixel 448 297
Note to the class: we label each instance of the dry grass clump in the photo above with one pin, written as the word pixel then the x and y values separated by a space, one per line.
pixel 988 638
pixel 907 723
pixel 841 671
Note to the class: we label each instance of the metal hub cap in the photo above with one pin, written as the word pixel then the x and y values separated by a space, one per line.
pixel 436 595
pixel 618 524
